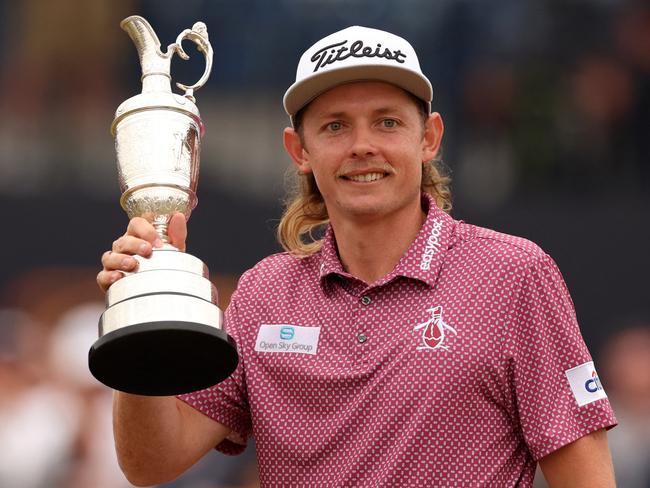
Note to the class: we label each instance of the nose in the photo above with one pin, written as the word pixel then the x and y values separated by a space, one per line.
pixel 362 145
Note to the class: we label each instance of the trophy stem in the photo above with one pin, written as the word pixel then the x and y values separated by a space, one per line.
pixel 161 229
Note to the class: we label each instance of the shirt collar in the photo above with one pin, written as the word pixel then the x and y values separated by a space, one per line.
pixel 329 256
pixel 423 259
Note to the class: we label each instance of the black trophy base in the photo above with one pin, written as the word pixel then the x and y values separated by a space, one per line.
pixel 163 358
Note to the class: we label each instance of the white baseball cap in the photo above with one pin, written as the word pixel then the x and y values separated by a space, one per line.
pixel 356 54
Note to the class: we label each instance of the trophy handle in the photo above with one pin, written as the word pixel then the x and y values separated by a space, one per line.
pixel 199 35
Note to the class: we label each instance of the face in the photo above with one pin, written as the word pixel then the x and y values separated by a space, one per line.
pixel 365 143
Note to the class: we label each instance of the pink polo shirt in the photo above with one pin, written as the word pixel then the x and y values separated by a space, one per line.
pixel 462 367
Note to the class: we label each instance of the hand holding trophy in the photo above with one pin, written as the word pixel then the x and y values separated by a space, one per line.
pixel 161 333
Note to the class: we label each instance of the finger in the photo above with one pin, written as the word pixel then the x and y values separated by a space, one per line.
pixel 128 244
pixel 177 230
pixel 115 261
pixel 143 229
pixel 106 278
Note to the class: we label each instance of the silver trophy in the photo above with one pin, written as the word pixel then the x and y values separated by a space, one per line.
pixel 161 333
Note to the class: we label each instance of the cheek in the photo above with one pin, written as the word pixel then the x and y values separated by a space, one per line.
pixel 417 175
pixel 320 175
pixel 325 184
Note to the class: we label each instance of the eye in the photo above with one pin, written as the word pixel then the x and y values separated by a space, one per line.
pixel 389 123
pixel 334 126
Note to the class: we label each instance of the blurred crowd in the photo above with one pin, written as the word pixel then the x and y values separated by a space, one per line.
pixel 55 418
pixel 545 97
pixel 557 100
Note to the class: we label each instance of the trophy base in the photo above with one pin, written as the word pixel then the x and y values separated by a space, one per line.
pixel 163 358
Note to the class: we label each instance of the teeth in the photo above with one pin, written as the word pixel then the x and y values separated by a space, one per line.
pixel 367 177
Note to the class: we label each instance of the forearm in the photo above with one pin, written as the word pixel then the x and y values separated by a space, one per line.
pixel 585 463
pixel 148 437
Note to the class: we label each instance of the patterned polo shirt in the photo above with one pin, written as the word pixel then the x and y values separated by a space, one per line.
pixel 460 368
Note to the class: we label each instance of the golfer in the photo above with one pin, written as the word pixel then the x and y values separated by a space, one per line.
pixel 399 347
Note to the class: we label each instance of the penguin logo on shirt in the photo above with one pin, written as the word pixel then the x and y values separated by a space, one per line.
pixel 434 330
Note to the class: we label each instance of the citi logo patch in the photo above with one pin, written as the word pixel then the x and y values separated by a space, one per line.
pixel 434 330
pixel 585 385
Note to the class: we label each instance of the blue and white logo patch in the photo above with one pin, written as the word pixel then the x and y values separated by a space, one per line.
pixel 585 384
pixel 287 338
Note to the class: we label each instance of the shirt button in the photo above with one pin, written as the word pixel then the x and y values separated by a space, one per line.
pixel 362 338
pixel 365 300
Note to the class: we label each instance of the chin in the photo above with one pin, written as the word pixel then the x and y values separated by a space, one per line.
pixel 366 209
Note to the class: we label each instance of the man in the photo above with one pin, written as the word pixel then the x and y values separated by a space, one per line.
pixel 404 348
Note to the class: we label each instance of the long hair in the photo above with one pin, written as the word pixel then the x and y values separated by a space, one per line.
pixel 305 212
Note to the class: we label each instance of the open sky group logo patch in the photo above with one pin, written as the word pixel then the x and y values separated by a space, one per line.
pixel 283 338
pixel 434 330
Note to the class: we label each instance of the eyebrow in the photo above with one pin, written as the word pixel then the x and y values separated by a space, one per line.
pixel 387 110
pixel 341 114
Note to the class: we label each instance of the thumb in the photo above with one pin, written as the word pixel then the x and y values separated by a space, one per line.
pixel 177 230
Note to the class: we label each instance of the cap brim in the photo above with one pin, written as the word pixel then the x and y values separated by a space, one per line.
pixel 303 92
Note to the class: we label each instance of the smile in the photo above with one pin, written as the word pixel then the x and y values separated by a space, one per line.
pixel 365 178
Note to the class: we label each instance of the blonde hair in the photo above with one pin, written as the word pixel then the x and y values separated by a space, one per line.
pixel 305 211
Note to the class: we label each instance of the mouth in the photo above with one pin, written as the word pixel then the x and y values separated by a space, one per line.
pixel 365 172
pixel 365 177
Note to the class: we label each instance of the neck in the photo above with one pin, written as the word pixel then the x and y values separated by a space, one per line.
pixel 371 248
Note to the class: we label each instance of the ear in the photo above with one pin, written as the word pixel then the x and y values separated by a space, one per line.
pixel 294 147
pixel 433 131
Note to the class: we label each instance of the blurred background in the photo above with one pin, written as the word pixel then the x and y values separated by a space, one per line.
pixel 547 111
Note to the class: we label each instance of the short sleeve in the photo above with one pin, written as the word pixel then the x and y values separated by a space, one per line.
pixel 227 401
pixel 542 343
